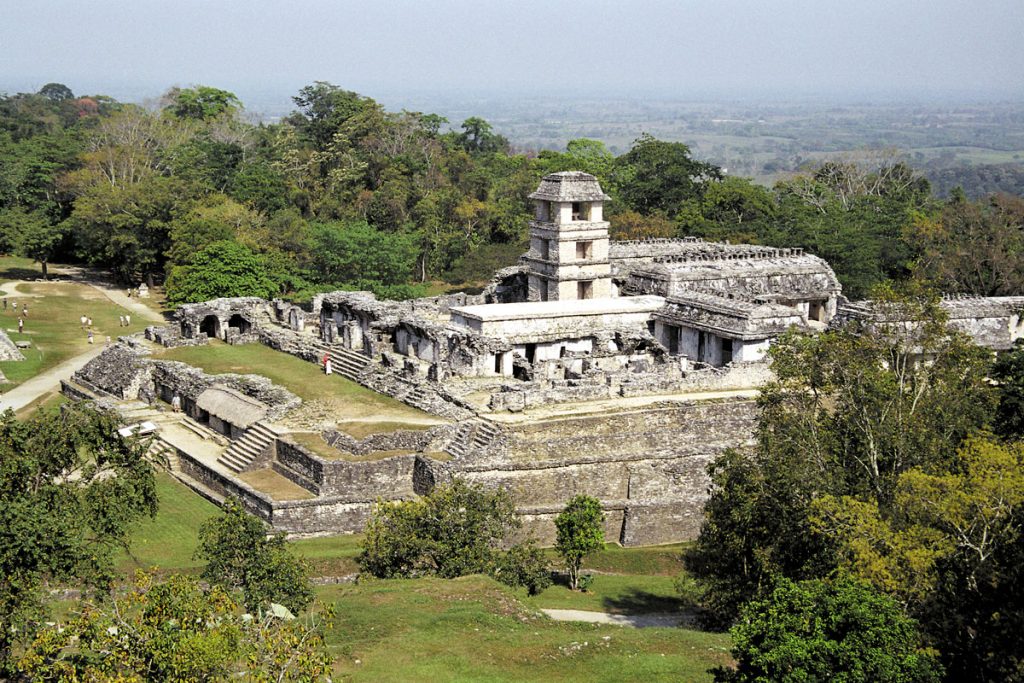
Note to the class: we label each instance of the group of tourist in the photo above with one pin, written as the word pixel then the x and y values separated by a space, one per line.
pixel 21 318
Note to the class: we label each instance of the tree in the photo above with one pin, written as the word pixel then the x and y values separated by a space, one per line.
pixel 453 531
pixel 177 630
pixel 1009 373
pixel 840 631
pixel 580 531
pixel 478 137
pixel 355 252
pixel 57 92
pixel 201 102
pixel 240 556
pixel 850 410
pixel 127 228
pixel 974 247
pixel 323 109
pixel 70 490
pixel 661 176
pixel 32 235
pixel 947 550
pixel 222 269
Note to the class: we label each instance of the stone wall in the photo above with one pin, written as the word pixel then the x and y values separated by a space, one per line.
pixel 417 440
pixel 648 467
pixel 352 481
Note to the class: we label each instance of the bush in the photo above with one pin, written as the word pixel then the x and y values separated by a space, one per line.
pixel 841 631
pixel 523 565
pixel 453 531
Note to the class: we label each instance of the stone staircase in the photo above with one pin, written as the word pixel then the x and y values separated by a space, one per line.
pixel 472 437
pixel 240 454
pixel 163 454
pixel 345 362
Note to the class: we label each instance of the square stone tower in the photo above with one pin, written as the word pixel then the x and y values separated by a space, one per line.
pixel 568 257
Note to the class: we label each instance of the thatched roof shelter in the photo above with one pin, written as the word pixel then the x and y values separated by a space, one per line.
pixel 231 406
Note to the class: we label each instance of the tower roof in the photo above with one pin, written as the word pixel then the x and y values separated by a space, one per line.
pixel 569 186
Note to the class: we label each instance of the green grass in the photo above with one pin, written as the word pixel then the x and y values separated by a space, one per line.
pixel 617 593
pixel 660 560
pixel 302 378
pixel 474 629
pixel 468 629
pixel 330 555
pixel 168 540
pixel 53 324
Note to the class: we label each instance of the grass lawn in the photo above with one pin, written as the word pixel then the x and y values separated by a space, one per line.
pixel 617 593
pixel 52 325
pixel 330 555
pixel 304 379
pixel 468 629
pixel 168 540
pixel 274 484
pixel 474 629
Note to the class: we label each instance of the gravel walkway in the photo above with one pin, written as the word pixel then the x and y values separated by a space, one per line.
pixel 652 620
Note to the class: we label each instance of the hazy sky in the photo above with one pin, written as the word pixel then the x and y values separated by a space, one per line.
pixel 680 48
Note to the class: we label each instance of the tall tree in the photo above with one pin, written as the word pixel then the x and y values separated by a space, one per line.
pixel 661 176
pixel 240 556
pixel 579 532
pixel 70 490
pixel 850 410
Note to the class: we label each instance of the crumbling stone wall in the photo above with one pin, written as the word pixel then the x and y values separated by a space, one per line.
pixel 648 467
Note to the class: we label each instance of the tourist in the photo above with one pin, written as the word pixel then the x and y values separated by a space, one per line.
pixel 327 366
pixel 83 319
pixel 21 325
pixel 108 340
pixel 120 321
pixel 88 323
pixel 90 337
pixel 127 319
pixel 176 403
pixel 24 310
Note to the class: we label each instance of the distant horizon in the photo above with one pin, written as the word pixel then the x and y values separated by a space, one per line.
pixel 279 96
pixel 863 52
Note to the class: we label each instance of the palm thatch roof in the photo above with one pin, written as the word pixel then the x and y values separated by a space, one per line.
pixel 231 406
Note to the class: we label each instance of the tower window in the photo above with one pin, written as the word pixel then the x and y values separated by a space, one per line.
pixel 584 250
pixel 581 211
pixel 585 289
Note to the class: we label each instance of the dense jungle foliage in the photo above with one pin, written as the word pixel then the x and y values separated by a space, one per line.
pixel 343 194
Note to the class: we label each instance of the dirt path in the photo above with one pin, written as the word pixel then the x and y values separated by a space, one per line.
pixel 652 620
pixel 45 382
pixel 110 290
pixel 49 380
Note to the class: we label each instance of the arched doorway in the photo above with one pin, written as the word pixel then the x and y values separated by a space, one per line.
pixel 211 326
pixel 238 322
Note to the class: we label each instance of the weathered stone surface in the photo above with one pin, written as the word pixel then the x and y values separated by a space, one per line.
pixel 8 349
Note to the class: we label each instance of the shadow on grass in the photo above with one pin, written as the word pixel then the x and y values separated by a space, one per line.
pixel 643 602
pixel 16 273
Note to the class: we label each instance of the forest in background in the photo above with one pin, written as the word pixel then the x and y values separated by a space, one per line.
pixel 342 193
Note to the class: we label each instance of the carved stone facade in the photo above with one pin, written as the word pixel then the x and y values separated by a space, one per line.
pixel 616 369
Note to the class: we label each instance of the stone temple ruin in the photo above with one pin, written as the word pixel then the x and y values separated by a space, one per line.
pixel 618 369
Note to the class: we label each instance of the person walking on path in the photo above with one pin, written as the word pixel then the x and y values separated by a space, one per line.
pixel 21 325
pixel 127 320
pixel 83 319
pixel 24 310
pixel 120 321
pixel 91 341
pixel 88 323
